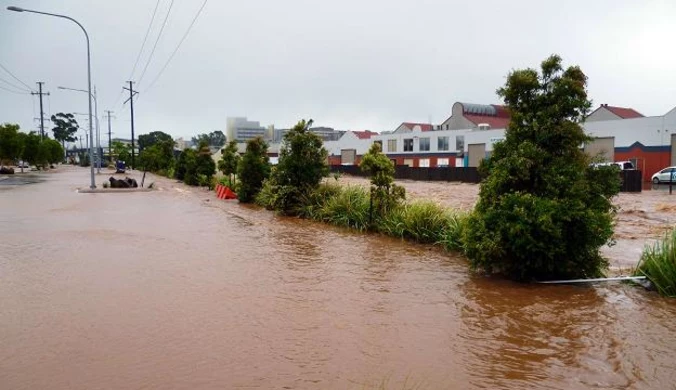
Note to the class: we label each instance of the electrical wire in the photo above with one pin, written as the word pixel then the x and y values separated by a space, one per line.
pixel 164 24
pixel 16 78
pixel 14 92
pixel 177 47
pixel 22 89
pixel 145 39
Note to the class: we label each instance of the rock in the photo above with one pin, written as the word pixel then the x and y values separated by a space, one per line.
pixel 6 171
pixel 115 183
pixel 132 182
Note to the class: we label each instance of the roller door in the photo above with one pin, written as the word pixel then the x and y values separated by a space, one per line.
pixel 601 147
pixel 477 153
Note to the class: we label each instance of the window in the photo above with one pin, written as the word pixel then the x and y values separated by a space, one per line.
pixel 442 143
pixel 424 144
pixel 442 162
pixel 408 145
pixel 424 163
pixel 391 145
pixel 446 127
pixel 460 143
pixel 380 144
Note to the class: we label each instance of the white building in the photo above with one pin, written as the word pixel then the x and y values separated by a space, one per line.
pixel 241 130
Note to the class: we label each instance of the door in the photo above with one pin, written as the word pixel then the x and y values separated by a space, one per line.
pixel 347 156
pixel 603 148
pixel 477 152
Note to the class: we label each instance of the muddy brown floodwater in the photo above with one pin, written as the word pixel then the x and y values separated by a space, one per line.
pixel 176 289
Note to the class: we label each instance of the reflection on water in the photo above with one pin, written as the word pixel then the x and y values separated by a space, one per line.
pixel 174 289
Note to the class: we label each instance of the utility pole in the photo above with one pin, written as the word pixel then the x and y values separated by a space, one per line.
pixel 42 115
pixel 131 102
pixel 110 145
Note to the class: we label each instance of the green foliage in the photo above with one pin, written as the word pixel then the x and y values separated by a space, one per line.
pixel 11 143
pixel 253 170
pixel 195 168
pixel 155 138
pixel 658 264
pixel 350 208
pixel 386 195
pixel 543 213
pixel 424 222
pixel 53 151
pixel 121 151
pixel 215 138
pixel 302 165
pixel 229 161
pixel 65 127
pixel 31 149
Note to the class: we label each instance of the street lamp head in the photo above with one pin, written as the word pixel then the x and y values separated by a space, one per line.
pixel 15 9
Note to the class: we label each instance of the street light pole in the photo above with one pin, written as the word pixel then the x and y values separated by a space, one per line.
pixel 98 131
pixel 89 83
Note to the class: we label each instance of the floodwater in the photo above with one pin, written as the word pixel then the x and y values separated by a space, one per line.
pixel 176 289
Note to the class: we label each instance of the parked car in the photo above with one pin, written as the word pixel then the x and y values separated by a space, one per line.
pixel 665 175
pixel 22 164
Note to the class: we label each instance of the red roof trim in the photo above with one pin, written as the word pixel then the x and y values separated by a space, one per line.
pixel 366 134
pixel 624 112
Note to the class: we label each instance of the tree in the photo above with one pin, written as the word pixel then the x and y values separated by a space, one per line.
pixel 65 127
pixel 302 165
pixel 229 161
pixel 11 143
pixel 31 150
pixel 215 139
pixel 543 212
pixel 253 169
pixel 186 159
pixel 381 170
pixel 154 138
pixel 52 150
pixel 121 150
pixel 205 166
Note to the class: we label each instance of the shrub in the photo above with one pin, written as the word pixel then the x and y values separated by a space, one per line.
pixel 385 195
pixel 539 215
pixel 313 203
pixel 658 264
pixel 424 222
pixel 350 208
pixel 229 162
pixel 302 165
pixel 253 170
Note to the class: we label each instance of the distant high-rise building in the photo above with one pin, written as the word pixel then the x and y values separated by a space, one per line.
pixel 241 130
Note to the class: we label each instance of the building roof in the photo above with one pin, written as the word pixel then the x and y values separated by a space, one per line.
pixel 496 116
pixel 622 112
pixel 365 134
pixel 423 126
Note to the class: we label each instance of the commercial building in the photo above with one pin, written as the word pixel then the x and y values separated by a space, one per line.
pixel 241 130
pixel 325 133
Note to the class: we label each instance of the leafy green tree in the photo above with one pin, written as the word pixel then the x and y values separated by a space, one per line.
pixel 229 161
pixel 121 151
pixel 380 168
pixel 186 160
pixel 253 170
pixel 205 166
pixel 154 138
pixel 151 159
pixel 215 139
pixel 31 150
pixel 53 151
pixel 65 127
pixel 302 165
pixel 11 143
pixel 543 213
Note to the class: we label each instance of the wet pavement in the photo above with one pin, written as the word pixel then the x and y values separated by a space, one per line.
pixel 177 289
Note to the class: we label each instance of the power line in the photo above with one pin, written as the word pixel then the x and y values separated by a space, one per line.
pixel 143 45
pixel 16 78
pixel 22 89
pixel 164 24
pixel 14 92
pixel 178 46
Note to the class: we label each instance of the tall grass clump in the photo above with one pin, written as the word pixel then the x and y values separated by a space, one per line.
pixel 658 264
pixel 350 208
pixel 424 222
pixel 312 203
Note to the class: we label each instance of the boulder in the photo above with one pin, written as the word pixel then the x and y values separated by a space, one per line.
pixel 6 171
pixel 115 183
pixel 132 182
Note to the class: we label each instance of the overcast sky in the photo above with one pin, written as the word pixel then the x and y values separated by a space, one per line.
pixel 348 64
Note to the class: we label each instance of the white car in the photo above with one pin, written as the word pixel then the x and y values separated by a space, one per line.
pixel 665 175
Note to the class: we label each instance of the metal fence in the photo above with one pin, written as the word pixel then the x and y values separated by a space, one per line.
pixel 465 175
pixel 631 179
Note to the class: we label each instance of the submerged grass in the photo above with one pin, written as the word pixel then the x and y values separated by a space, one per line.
pixel 658 264
pixel 349 208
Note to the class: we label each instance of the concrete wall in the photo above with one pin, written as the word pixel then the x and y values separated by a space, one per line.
pixel 457 121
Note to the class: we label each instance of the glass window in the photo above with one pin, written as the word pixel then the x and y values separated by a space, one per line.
pixel 442 162
pixel 408 145
pixel 442 143
pixel 391 145
pixel 424 162
pixel 446 127
pixel 460 143
pixel 424 144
